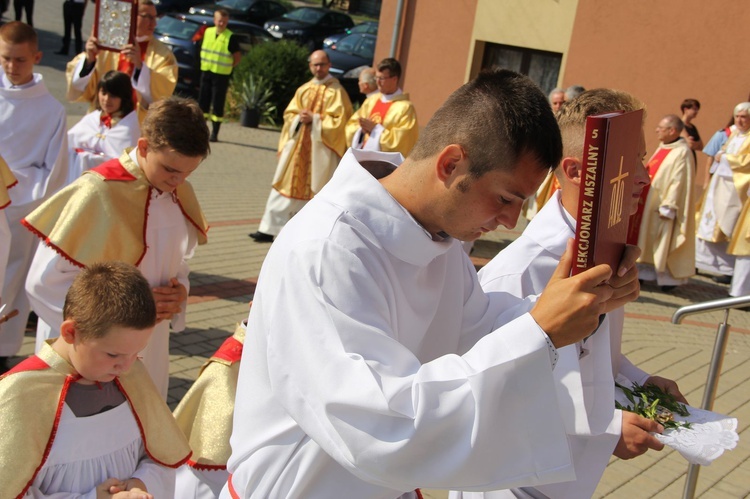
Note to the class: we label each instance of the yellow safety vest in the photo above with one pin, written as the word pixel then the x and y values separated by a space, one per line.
pixel 215 55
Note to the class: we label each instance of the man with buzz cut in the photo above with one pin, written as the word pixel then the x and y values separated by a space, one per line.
pixel 378 364
pixel 586 371
pixel 386 121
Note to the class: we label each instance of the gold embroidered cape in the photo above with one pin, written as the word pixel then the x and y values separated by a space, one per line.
pixel 7 180
pixel 309 152
pixel 205 412
pixel 103 215
pixel 33 394
pixel 401 129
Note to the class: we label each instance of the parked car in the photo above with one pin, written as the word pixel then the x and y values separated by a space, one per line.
pixel 183 34
pixel 165 6
pixel 250 11
pixel 309 26
pixel 368 27
pixel 349 56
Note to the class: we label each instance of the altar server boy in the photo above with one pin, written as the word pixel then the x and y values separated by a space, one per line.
pixel 82 418
pixel 136 209
pixel 34 144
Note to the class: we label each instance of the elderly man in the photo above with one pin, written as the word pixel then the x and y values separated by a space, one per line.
pixel 150 64
pixel 311 145
pixel 666 218
pixel 556 98
pixel 722 243
pixel 378 364
pixel 386 121
pixel 368 85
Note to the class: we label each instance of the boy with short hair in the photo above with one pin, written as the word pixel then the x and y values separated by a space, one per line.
pixel 137 209
pixel 87 418
pixel 34 144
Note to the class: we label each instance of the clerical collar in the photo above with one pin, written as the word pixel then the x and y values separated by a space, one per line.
pixel 671 141
pixel 390 97
pixel 320 82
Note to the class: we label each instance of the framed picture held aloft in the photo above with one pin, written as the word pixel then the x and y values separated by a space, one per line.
pixel 114 23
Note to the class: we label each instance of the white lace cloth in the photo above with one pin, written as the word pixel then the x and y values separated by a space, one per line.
pixel 709 435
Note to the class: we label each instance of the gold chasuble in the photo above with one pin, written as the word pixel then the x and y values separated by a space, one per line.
pixel 103 215
pixel 205 412
pixel 398 119
pixel 304 167
pixel 7 180
pixel 669 244
pixel 158 57
pixel 33 394
pixel 740 162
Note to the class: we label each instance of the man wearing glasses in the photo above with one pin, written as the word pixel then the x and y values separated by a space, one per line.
pixel 150 64
pixel 387 120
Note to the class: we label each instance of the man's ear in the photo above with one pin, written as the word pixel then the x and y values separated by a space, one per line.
pixel 571 169
pixel 451 161
pixel 68 331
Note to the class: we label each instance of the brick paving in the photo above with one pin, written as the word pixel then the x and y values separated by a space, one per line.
pixel 232 185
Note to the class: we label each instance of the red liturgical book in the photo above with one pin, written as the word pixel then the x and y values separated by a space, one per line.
pixel 610 156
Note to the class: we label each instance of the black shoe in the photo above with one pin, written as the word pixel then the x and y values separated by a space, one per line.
pixel 261 237
pixel 722 279
pixel 61 52
pixel 213 138
pixel 668 289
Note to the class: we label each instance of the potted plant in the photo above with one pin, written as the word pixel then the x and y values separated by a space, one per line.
pixel 255 97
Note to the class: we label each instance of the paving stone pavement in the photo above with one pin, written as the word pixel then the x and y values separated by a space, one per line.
pixel 232 186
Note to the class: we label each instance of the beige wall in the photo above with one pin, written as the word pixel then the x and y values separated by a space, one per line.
pixel 664 52
pixel 539 24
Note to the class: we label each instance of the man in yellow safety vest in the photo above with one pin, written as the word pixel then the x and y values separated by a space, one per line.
pixel 220 53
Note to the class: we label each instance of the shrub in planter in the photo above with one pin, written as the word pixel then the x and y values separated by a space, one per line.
pixel 283 65
pixel 256 102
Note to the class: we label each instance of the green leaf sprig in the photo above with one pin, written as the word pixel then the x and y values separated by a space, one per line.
pixel 652 402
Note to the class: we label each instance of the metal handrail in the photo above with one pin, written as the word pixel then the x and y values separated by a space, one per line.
pixel 717 359
pixel 710 306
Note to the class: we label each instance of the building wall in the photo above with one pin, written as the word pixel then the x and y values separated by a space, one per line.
pixel 432 49
pixel 542 25
pixel 441 42
pixel 664 52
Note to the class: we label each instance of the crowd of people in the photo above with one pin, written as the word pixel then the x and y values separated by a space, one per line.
pixel 485 384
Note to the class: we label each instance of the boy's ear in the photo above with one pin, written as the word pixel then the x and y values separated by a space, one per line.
pixel 68 331
pixel 38 57
pixel 142 145
pixel 571 168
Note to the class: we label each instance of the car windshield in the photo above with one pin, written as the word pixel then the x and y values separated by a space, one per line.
pixel 305 15
pixel 365 28
pixel 361 46
pixel 236 4
pixel 175 28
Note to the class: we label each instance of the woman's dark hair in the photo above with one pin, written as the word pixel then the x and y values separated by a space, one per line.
pixel 117 84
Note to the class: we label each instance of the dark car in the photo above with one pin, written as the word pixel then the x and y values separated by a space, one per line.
pixel 309 26
pixel 368 27
pixel 165 6
pixel 183 34
pixel 349 56
pixel 250 11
